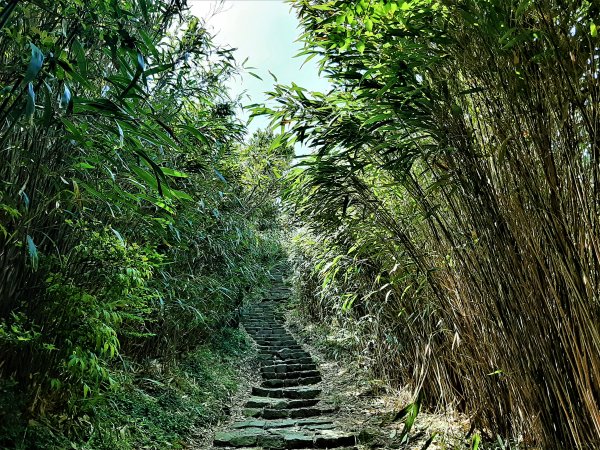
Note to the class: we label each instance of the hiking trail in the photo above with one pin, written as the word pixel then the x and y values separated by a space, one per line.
pixel 283 411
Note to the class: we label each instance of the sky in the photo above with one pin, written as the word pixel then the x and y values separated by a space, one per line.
pixel 265 32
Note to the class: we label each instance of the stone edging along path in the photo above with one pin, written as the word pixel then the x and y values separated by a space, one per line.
pixel 283 412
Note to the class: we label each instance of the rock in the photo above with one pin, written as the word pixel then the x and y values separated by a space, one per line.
pixel 272 441
pixel 297 440
pixel 329 439
pixel 252 412
pixel 242 438
pixel 250 424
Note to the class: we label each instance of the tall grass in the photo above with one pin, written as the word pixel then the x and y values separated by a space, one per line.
pixel 462 137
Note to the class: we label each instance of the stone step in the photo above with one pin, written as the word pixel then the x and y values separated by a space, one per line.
pixel 304 448
pixel 261 329
pixel 275 340
pixel 290 375
pixel 301 392
pixel 294 413
pixel 278 347
pixel 268 321
pixel 262 335
pixel 285 352
pixel 271 360
pixel 286 423
pixel 283 368
pixel 281 439
pixel 278 383
pixel 272 337
pixel 278 403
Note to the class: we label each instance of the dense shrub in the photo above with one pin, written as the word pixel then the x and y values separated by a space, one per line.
pixel 131 228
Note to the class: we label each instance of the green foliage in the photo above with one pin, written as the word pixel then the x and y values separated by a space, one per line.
pixel 134 222
pixel 449 202
pixel 153 406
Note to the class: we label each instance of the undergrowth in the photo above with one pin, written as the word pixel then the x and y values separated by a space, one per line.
pixel 157 405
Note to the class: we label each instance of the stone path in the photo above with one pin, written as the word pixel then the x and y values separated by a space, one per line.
pixel 284 411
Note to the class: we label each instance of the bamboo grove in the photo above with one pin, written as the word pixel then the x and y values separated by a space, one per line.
pixel 449 212
pixel 133 221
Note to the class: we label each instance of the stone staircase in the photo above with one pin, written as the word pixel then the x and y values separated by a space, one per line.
pixel 284 411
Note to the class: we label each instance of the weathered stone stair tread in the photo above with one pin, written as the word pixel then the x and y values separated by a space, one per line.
pixel 306 448
pixel 283 348
pixel 282 439
pixel 279 403
pixel 291 382
pixel 291 392
pixel 287 375
pixel 294 413
pixel 268 360
pixel 284 368
pixel 286 423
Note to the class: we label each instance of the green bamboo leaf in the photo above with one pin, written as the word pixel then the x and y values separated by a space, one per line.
pixel 33 253
pixel 377 118
pixel 65 99
pixel 30 107
pixel 173 173
pixel 83 165
pixel 35 64
pixel 475 442
pixel 156 169
pixel 220 176
pixel 412 413
pixel 80 56
pixel 255 76
pixel 180 195
pixel 146 176
pixel 149 43
pixel 119 237
pixel 144 8
pixel 593 29
pixel 47 118
pixel 160 68
pixel 196 133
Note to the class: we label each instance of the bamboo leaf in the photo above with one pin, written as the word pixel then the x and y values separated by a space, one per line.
pixel 144 8
pixel 173 173
pixel 65 100
pixel 220 176
pixel 35 64
pixel 30 106
pixel 33 253
pixel 81 59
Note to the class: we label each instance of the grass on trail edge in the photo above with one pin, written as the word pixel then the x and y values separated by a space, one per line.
pixel 157 407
